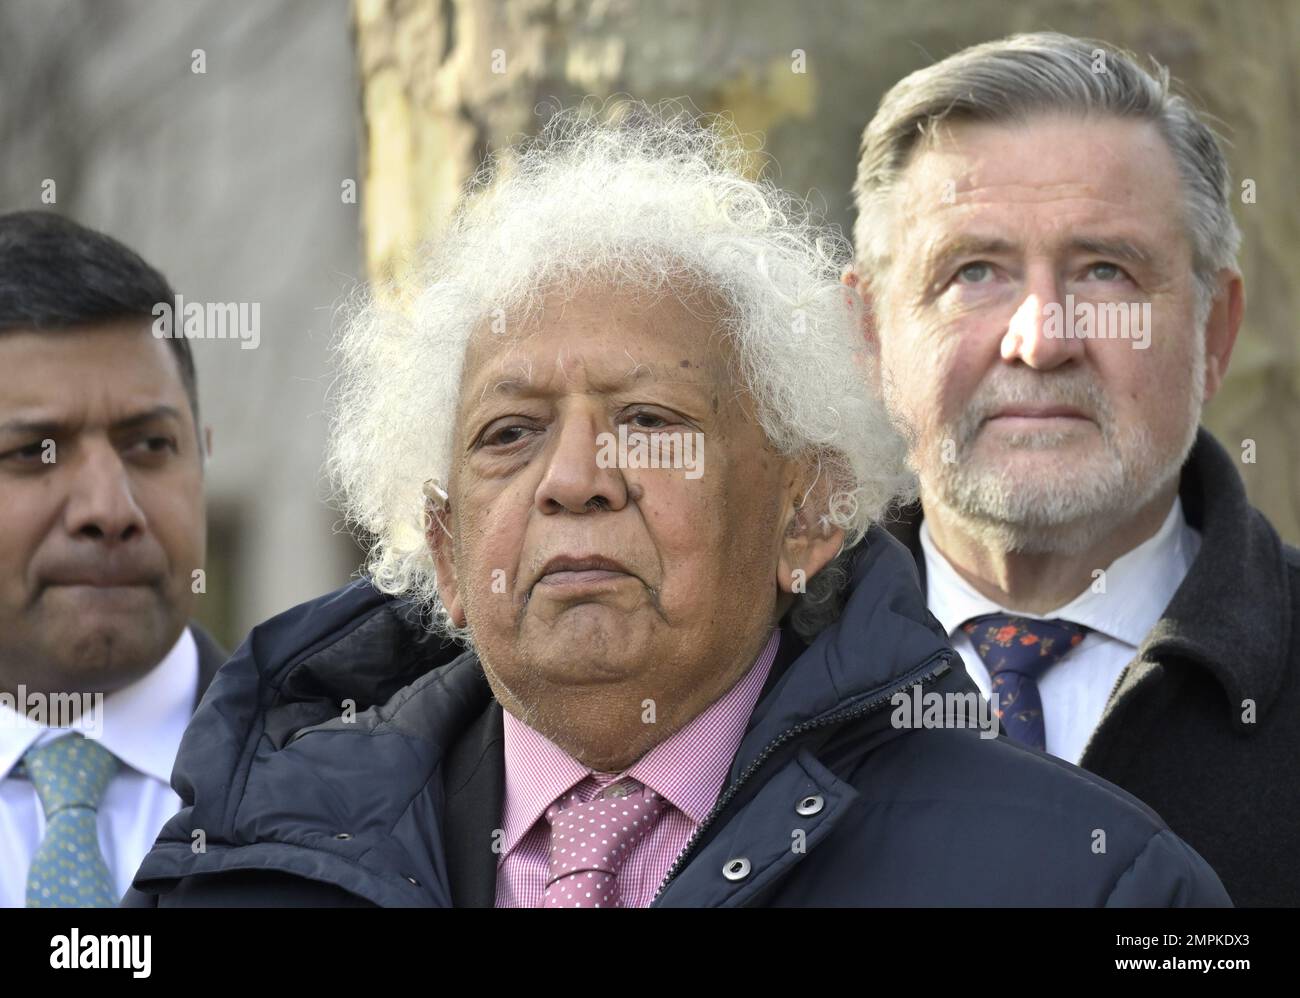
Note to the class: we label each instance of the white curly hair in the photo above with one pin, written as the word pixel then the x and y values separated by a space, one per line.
pixel 648 198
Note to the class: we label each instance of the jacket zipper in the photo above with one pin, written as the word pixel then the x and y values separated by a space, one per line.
pixel 848 714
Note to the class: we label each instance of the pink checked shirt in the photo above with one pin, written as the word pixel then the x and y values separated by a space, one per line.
pixel 688 771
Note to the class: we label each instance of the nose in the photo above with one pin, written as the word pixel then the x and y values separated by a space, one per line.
pixel 101 502
pixel 576 477
pixel 1037 337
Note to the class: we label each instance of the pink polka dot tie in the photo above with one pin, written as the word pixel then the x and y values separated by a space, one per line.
pixel 590 841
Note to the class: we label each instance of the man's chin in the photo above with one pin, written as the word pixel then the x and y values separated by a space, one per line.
pixel 576 661
pixel 1041 462
pixel 90 642
pixel 93 661
pixel 1008 438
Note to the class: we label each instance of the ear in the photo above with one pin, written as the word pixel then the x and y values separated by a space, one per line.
pixel 810 540
pixel 207 442
pixel 1221 328
pixel 437 534
pixel 862 304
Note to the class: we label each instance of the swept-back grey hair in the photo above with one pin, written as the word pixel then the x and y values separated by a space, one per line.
pixel 1011 80
pixel 644 199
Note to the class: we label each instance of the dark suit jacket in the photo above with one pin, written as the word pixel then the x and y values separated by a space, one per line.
pixel 211 658
pixel 1204 725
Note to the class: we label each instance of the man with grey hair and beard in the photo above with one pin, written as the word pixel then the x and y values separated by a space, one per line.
pixel 1046 260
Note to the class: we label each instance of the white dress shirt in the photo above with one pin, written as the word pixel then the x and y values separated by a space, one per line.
pixel 1139 585
pixel 141 724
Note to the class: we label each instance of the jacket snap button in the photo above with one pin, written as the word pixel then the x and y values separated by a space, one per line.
pixel 413 881
pixel 343 835
pixel 736 869
pixel 810 805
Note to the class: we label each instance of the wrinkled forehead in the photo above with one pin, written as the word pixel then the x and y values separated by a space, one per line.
pixel 600 340
pixel 1048 172
pixel 95 373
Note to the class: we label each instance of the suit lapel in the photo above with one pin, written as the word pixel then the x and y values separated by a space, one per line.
pixel 211 658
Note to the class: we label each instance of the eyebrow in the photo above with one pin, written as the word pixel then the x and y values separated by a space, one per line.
pixel 964 245
pixel 525 388
pixel 1120 249
pixel 50 427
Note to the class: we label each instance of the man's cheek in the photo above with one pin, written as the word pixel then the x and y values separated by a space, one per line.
pixel 495 583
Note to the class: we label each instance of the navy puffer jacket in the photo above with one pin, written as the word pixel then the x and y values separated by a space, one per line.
pixel 290 799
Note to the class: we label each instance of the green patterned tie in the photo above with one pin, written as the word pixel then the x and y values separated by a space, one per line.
pixel 68 870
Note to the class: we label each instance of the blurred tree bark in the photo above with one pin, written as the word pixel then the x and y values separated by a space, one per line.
pixel 446 81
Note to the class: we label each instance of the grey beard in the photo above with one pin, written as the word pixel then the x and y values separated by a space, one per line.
pixel 1066 516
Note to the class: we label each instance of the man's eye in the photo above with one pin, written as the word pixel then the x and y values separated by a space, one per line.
pixel 28 453
pixel 154 445
pixel 975 273
pixel 648 420
pixel 505 436
pixel 1106 272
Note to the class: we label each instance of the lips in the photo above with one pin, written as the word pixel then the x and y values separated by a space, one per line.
pixel 102 581
pixel 111 573
pixel 1038 412
pixel 568 570
pixel 96 594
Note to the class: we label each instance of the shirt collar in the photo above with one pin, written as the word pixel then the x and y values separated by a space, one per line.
pixel 141 724
pixel 1138 585
pixel 687 769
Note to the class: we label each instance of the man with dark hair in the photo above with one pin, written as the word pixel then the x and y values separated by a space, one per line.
pixel 101 481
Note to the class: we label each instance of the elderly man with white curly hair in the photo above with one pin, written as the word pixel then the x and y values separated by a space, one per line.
pixel 608 456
